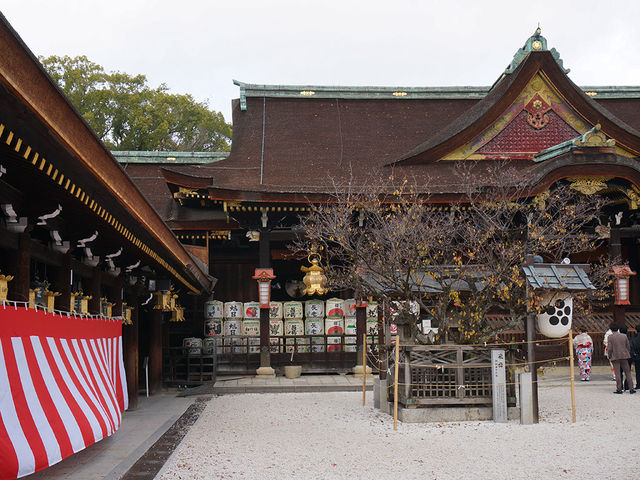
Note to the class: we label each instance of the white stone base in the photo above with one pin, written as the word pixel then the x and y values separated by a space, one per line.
pixel 358 370
pixel 449 414
pixel 262 371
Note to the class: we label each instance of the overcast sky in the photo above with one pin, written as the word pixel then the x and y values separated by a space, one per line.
pixel 199 47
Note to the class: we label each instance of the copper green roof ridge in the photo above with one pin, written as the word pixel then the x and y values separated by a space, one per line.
pixel 152 156
pixel 401 93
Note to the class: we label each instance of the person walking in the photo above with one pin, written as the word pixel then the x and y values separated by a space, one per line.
pixel 618 349
pixel 583 345
pixel 605 342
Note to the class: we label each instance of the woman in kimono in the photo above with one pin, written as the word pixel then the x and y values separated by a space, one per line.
pixel 584 351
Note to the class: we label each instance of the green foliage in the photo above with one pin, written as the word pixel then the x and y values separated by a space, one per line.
pixel 127 114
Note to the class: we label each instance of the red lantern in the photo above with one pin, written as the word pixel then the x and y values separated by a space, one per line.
pixel 264 277
pixel 621 283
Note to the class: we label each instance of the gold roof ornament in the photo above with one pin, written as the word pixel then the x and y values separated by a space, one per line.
pixel 314 279
pixel 594 138
pixel 4 288
pixel 588 185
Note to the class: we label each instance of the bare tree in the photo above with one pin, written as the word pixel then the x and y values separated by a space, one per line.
pixel 459 261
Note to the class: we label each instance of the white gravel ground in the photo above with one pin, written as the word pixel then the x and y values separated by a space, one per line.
pixel 330 435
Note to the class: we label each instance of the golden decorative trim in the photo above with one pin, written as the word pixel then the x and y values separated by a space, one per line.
pixel 399 94
pixel 101 212
pixel 307 93
pixel 588 185
pixel 594 138
pixel 633 198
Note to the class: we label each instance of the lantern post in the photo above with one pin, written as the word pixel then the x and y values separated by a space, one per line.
pixel 264 276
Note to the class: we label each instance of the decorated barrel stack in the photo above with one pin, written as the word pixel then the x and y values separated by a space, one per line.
pixel 334 324
pixel 192 346
pixel 232 326
pixel 276 327
pixel 251 326
pixel 294 325
pixel 213 315
pixel 314 323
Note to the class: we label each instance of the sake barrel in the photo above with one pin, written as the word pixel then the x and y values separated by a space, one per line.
pixel 372 310
pixel 233 310
pixel 314 309
pixel 209 345
pixel 213 309
pixel 276 333
pixel 251 310
pixel 350 307
pixel 275 310
pixel 372 326
pixel 251 328
pixel 295 326
pixel 350 334
pixel 315 326
pixel 372 329
pixel 335 308
pixel 334 326
pixel 232 326
pixel 192 345
pixel 213 326
pixel 293 310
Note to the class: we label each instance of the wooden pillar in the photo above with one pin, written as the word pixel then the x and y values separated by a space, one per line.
pixel 94 291
pixel 265 352
pixel 531 359
pixel 130 350
pixel 381 342
pixel 361 329
pixel 115 296
pixel 615 253
pixel 62 284
pixel 21 269
pixel 155 352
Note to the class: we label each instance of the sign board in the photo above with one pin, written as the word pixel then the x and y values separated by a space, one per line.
pixel 498 386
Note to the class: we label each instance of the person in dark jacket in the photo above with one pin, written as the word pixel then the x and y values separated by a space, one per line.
pixel 618 348
pixel 625 381
pixel 635 354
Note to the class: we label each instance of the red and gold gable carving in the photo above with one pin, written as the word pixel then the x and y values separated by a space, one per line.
pixel 537 110
pixel 539 118
pixel 521 139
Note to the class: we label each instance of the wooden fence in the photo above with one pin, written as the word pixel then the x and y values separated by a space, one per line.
pixel 448 375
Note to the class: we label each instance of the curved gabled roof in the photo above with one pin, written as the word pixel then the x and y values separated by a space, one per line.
pixel 489 110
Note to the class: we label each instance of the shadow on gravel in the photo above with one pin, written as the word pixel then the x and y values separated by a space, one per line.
pixel 148 466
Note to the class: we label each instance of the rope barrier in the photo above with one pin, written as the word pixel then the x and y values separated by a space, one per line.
pixel 442 386
pixel 451 366
pixel 54 311
pixel 560 341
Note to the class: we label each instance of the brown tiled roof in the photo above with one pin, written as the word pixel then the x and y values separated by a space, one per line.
pixel 311 144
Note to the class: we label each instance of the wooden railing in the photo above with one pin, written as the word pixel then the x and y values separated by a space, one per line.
pixel 447 375
pixel 317 353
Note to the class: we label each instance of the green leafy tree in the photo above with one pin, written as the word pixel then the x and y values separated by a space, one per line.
pixel 127 114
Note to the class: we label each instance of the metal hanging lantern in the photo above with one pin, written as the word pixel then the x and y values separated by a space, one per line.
pixel 264 277
pixel 621 283
pixel 314 279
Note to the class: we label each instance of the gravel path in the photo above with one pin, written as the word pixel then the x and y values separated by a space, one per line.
pixel 331 436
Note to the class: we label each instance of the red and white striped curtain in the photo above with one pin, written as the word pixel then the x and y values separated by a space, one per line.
pixel 62 386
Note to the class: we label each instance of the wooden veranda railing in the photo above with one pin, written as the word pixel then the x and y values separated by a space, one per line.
pixel 240 354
